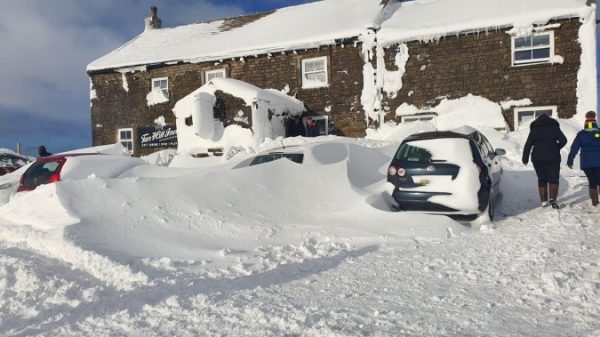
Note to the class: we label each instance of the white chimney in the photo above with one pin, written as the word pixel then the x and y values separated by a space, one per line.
pixel 153 22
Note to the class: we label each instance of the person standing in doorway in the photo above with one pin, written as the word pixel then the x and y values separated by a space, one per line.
pixel 295 127
pixel 312 128
pixel 546 139
pixel 588 141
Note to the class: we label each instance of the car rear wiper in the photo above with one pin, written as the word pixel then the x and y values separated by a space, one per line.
pixel 437 161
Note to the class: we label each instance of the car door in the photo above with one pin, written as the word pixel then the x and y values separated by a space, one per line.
pixel 493 163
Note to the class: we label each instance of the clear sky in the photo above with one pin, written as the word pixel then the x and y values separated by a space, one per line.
pixel 47 44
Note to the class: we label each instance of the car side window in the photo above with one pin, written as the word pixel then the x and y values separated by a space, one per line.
pixel 488 146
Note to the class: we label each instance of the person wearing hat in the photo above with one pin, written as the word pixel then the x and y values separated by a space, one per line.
pixel 544 143
pixel 588 142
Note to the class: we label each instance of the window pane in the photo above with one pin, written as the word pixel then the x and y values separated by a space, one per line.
pixel 525 116
pixel 543 112
pixel 541 53
pixel 541 40
pixel 523 55
pixel 522 42
pixel 160 84
pixel 316 77
pixel 212 75
pixel 314 65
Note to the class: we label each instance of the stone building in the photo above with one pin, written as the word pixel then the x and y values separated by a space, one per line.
pixel 356 63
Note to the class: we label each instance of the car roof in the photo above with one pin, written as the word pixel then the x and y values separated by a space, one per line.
pixel 439 134
pixel 61 156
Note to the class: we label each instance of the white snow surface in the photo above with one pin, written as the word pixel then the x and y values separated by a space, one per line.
pixel 305 26
pixel 287 249
pixel 471 110
pixel 307 249
pixel 432 19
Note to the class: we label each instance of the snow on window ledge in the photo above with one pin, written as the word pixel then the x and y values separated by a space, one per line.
pixel 315 85
pixel 156 96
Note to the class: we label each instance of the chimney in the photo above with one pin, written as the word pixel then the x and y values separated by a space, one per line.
pixel 153 22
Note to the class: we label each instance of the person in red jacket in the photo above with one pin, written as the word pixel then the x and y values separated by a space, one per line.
pixel 546 139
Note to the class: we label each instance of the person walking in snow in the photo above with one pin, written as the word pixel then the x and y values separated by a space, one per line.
pixel 42 151
pixel 546 139
pixel 588 141
pixel 312 129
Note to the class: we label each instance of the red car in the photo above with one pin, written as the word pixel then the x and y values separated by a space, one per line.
pixel 46 170
pixel 10 162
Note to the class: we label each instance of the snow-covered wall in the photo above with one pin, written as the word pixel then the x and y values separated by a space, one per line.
pixel 269 108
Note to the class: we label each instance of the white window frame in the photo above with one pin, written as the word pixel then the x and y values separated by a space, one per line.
pixel 325 70
pixel 418 117
pixel 318 118
pixel 121 140
pixel 534 109
pixel 513 49
pixel 214 71
pixel 165 91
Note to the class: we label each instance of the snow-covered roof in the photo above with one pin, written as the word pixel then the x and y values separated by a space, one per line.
pixel 324 22
pixel 430 19
pixel 304 26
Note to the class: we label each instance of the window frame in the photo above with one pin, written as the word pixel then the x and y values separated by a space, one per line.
pixel 513 49
pixel 165 91
pixel 325 70
pixel 214 71
pixel 516 112
pixel 317 118
pixel 417 117
pixel 121 140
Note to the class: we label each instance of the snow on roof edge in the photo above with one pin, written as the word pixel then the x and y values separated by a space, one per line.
pixel 236 54
pixel 426 34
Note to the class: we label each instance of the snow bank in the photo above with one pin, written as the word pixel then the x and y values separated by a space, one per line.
pixel 475 111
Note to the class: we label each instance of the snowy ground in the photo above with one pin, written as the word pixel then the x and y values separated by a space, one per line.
pixel 293 250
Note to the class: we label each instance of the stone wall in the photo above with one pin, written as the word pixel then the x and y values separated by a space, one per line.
pixel 116 108
pixel 480 64
pixel 454 66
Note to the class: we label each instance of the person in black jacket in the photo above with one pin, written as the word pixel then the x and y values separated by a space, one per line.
pixel 42 151
pixel 546 139
pixel 295 127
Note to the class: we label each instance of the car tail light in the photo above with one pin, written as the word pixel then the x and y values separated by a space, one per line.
pixel 54 178
pixel 401 172
pixel 392 170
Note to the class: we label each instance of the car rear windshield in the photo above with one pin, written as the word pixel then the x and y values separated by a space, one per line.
pixel 39 173
pixel 426 151
pixel 295 157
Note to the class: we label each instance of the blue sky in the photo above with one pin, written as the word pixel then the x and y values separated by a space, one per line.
pixel 47 44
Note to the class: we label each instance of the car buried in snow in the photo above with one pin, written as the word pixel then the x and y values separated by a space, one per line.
pixel 10 162
pixel 74 166
pixel 456 173
pixel 293 154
